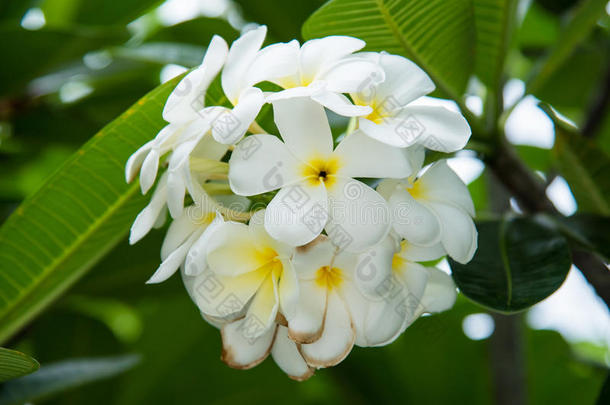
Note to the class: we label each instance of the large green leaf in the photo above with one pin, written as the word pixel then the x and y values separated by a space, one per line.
pixel 518 263
pixel 576 30
pixel 15 364
pixel 57 377
pixel 589 230
pixel 585 167
pixel 28 54
pixel 494 21
pixel 81 212
pixel 436 34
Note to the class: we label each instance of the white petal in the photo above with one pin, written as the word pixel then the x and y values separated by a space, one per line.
pixel 135 161
pixel 458 233
pixel 187 98
pixel 149 215
pixel 230 127
pixel 438 128
pixel 261 163
pixel 241 352
pixel 318 53
pixel 310 257
pixel 304 127
pixel 413 220
pixel 226 297
pixel 359 216
pixel 287 356
pixel 231 250
pixel 274 62
pixel 340 104
pixel 385 319
pixel 196 261
pixel 337 338
pixel 288 289
pixel 351 75
pixel 179 230
pixel 306 325
pixel 440 183
pixel 374 268
pixel 404 80
pixel 148 172
pixel 173 262
pixel 440 293
pixel 416 253
pixel 297 214
pixel 241 55
pixel 290 93
pixel 264 307
pixel 361 156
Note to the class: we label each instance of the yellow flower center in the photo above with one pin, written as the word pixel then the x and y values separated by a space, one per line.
pixel 318 170
pixel 271 260
pixel 417 190
pixel 328 277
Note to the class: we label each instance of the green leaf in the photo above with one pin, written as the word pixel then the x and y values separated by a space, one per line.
pixel 589 230
pixel 436 34
pixel 15 364
pixel 29 54
pixel 585 167
pixel 59 13
pixel 494 21
pixel 61 376
pixel 81 212
pixel 583 20
pixel 283 18
pixel 518 263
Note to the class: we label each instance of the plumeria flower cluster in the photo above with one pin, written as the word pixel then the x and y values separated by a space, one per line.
pixel 299 243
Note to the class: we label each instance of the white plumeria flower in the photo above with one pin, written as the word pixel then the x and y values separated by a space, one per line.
pixel 317 189
pixel 435 207
pixel 322 69
pixel 238 78
pixel 189 232
pixel 254 271
pixel 324 323
pixel 399 289
pixel 183 113
pixel 394 121
pixel 206 158
pixel 241 352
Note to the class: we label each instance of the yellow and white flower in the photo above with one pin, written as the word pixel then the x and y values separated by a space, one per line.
pixel 434 207
pixel 316 182
pixel 252 273
pixel 399 289
pixel 395 122
pixel 322 69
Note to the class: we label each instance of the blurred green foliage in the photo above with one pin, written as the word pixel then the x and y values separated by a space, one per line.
pixel 61 84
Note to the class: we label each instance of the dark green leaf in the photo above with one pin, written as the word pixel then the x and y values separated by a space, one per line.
pixel 59 13
pixel 518 263
pixel 198 31
pixel 283 18
pixel 58 377
pixel 604 395
pixel 592 231
pixel 15 364
pixel 28 54
pixel 436 34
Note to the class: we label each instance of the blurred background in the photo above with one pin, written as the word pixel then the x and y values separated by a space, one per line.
pixel 71 66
